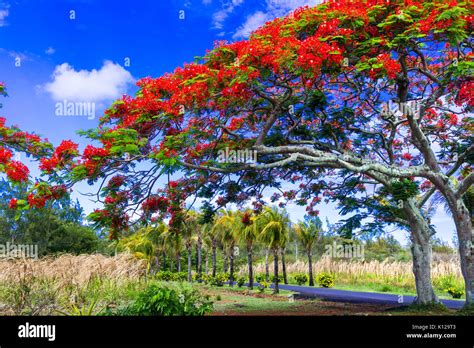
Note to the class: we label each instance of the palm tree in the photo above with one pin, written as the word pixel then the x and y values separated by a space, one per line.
pixel 174 241
pixel 308 232
pixel 273 226
pixel 188 231
pixel 226 225
pixel 203 233
pixel 146 243
pixel 139 245
pixel 247 233
pixel 156 236
pixel 213 236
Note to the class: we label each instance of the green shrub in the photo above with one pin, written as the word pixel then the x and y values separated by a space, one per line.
pixel 241 281
pixel 455 292
pixel 168 300
pixel 263 285
pixel 301 278
pixel 280 279
pixel 171 276
pixel 179 276
pixel 260 277
pixel 219 279
pixel 326 280
pixel 164 275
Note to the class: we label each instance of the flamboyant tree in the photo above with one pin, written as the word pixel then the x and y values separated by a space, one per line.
pixel 17 145
pixel 312 94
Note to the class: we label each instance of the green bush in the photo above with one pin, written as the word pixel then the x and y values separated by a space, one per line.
pixel 301 278
pixel 171 276
pixel 455 292
pixel 280 279
pixel 260 277
pixel 219 279
pixel 326 280
pixel 241 281
pixel 263 285
pixel 164 299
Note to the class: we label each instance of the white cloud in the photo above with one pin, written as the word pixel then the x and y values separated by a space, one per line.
pixel 50 51
pixel 274 8
pixel 109 82
pixel 220 16
pixel 3 15
pixel 252 22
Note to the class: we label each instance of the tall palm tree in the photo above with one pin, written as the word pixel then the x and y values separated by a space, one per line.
pixel 226 225
pixel 247 233
pixel 174 241
pixel 156 236
pixel 146 243
pixel 202 234
pixel 188 231
pixel 273 226
pixel 308 232
pixel 213 237
pixel 139 245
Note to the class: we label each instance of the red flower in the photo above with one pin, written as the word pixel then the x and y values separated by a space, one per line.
pixel 407 156
pixel 36 202
pixel 155 203
pixel 67 147
pixel 5 155
pixel 13 203
pixel 17 171
pixel 49 164
pixel 109 200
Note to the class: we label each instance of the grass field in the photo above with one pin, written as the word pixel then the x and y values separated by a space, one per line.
pixel 241 302
pixel 90 284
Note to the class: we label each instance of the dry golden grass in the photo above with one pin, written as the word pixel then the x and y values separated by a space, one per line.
pixel 71 268
pixel 385 272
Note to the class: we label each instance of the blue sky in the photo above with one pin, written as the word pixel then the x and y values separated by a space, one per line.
pixel 93 51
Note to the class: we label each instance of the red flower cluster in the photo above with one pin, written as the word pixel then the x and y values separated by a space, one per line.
pixel 92 157
pixel 5 155
pixel 313 53
pixel 62 154
pixel 17 171
pixel 36 201
pixel 465 94
pixel 13 203
pixel 155 203
pixel 116 181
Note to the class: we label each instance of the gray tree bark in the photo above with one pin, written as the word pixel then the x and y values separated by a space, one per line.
pixel 421 252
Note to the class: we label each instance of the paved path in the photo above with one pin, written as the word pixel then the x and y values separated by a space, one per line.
pixel 360 297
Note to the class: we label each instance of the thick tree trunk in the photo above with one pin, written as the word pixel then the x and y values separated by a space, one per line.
pixel 283 266
pixel 249 262
pixel 465 233
pixel 214 257
pixel 421 252
pixel 310 267
pixel 276 290
pixel 267 266
pixel 199 257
